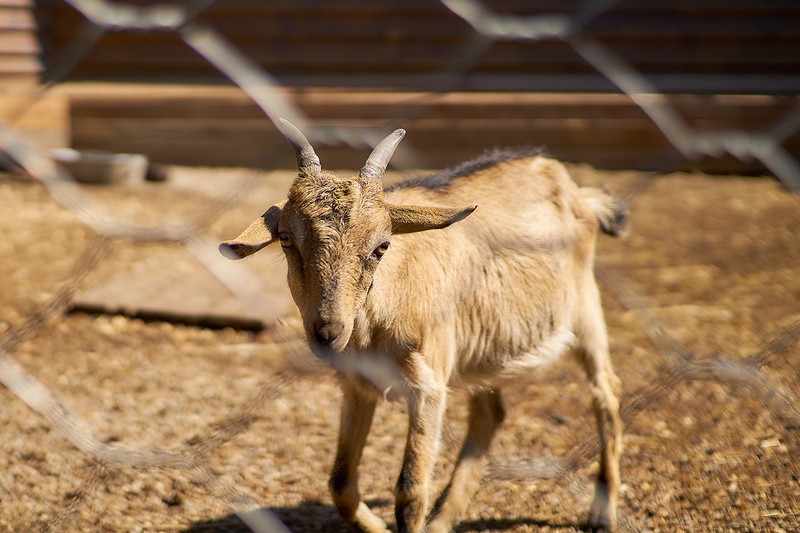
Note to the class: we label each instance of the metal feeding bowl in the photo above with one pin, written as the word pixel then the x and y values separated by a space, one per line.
pixel 102 167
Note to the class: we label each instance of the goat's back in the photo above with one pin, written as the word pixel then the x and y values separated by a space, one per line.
pixel 506 279
pixel 532 197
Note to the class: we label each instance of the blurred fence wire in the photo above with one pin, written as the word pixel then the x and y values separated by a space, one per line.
pixel 678 365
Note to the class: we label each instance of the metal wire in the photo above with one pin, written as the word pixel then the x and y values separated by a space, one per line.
pixel 677 364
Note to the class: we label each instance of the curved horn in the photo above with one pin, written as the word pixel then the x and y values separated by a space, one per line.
pixel 306 157
pixel 379 158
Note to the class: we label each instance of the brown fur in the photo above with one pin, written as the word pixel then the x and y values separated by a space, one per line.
pixel 503 292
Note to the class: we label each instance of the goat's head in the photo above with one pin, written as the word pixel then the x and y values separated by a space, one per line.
pixel 334 232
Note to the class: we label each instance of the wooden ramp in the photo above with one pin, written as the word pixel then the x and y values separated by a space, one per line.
pixel 174 286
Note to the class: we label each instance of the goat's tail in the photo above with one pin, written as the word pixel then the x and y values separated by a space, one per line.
pixel 612 212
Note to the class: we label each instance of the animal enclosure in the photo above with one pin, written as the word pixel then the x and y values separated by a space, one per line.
pixel 134 421
pixel 709 405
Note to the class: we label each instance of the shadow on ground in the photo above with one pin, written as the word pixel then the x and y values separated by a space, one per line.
pixel 309 516
pixel 514 524
pixel 315 516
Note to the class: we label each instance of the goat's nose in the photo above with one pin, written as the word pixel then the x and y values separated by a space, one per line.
pixel 327 332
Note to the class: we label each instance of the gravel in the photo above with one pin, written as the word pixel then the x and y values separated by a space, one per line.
pixel 713 261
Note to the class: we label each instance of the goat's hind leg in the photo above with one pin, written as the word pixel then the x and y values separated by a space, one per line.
pixel 486 412
pixel 356 420
pixel 592 353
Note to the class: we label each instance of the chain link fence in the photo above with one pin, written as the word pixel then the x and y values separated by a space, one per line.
pixel 677 366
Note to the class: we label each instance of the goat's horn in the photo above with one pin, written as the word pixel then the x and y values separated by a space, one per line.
pixel 378 160
pixel 306 157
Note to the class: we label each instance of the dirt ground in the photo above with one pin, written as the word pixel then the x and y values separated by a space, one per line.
pixel 714 262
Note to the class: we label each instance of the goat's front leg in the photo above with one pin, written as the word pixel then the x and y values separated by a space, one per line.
pixel 486 413
pixel 356 420
pixel 425 411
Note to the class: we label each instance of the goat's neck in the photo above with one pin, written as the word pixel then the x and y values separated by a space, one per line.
pixel 392 319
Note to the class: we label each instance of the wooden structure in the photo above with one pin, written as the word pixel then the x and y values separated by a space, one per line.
pixel 173 286
pixel 21 43
pixel 723 63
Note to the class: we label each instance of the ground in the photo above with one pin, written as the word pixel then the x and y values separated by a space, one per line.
pixel 710 268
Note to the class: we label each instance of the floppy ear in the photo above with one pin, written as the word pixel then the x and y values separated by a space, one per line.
pixel 412 218
pixel 257 235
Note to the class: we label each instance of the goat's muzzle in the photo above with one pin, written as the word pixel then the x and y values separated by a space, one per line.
pixel 328 338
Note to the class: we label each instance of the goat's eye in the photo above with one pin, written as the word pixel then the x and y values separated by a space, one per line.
pixel 285 239
pixel 380 250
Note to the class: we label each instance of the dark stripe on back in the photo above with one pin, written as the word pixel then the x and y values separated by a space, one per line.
pixel 489 158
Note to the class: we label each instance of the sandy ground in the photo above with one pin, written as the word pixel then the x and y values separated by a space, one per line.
pixel 714 263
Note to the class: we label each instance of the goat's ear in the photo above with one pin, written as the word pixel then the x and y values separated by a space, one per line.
pixel 260 233
pixel 412 218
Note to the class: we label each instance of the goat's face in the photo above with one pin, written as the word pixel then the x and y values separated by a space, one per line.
pixel 334 232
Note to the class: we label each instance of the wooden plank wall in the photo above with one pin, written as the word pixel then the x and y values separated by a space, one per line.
pixel 222 126
pixel 707 46
pixel 21 43
pixel 723 63
pixel 24 36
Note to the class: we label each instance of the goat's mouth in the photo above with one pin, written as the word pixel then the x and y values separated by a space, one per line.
pixel 325 347
pixel 321 351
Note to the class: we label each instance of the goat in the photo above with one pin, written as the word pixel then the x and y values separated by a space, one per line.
pixel 452 296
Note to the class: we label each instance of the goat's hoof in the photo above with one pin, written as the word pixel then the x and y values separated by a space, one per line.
pixel 438 526
pixel 601 520
pixel 368 522
pixel 603 515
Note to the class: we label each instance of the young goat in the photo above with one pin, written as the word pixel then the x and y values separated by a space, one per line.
pixel 505 291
